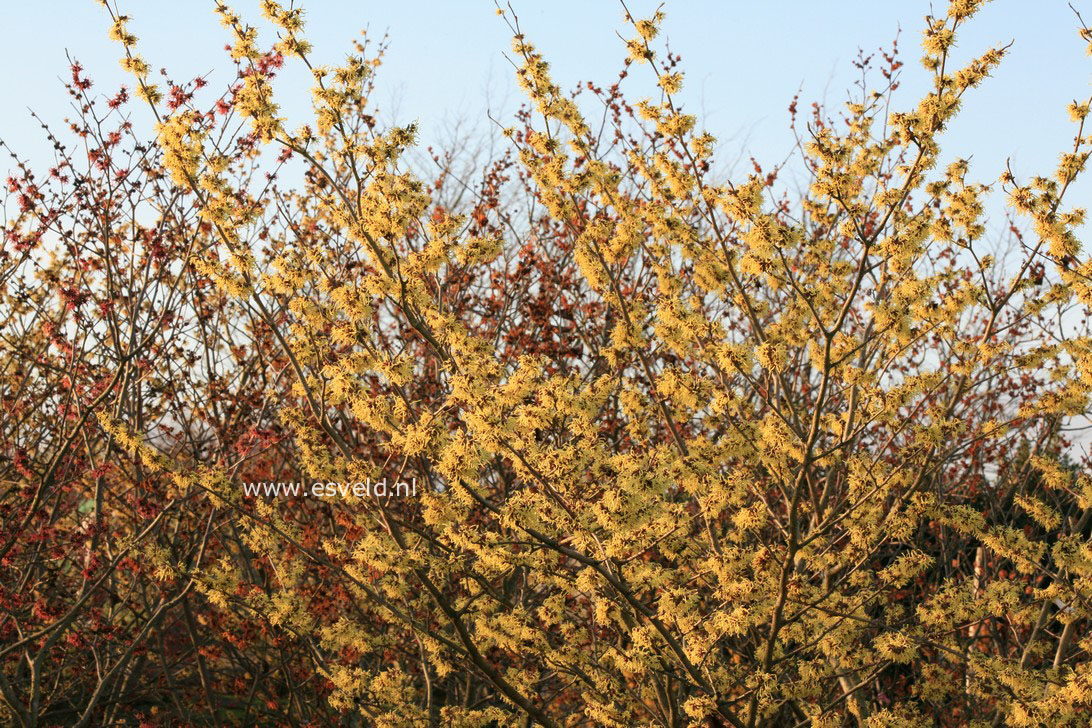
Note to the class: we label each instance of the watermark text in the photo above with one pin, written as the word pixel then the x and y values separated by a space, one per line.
pixel 330 489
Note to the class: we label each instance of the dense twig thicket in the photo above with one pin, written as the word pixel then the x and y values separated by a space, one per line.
pixel 688 451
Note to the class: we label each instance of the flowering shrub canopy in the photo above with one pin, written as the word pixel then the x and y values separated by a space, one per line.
pixel 687 451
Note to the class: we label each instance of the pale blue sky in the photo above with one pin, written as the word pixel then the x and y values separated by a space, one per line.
pixel 744 62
